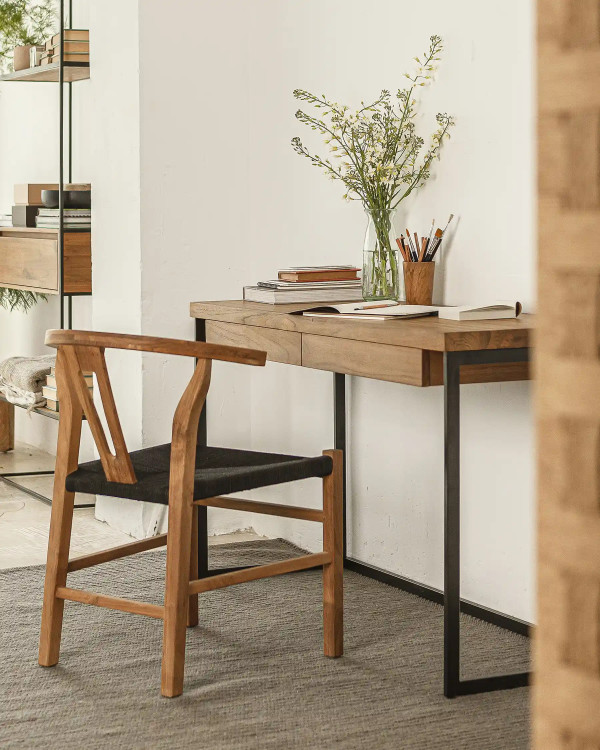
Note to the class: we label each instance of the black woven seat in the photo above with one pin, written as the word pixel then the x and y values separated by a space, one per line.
pixel 219 471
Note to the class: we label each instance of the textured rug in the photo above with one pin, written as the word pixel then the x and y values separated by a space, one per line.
pixel 255 674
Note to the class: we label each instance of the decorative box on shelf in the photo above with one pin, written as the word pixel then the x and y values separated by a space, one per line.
pixel 29 259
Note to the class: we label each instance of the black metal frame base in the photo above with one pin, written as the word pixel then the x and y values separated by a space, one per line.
pixel 6 478
pixel 450 598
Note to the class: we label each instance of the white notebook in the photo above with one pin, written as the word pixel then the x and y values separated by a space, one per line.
pixel 392 310
pixel 490 311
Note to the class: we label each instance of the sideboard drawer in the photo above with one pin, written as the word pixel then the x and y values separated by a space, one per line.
pixel 281 346
pixel 29 260
pixel 398 364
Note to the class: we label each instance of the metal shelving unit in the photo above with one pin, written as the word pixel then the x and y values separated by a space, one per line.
pixel 63 73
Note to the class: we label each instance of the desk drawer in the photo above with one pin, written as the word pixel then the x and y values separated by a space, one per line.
pixel 281 346
pixel 398 364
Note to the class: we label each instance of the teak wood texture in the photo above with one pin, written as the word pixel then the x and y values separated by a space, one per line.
pixel 407 351
pixel 81 351
pixel 29 260
pixel 567 643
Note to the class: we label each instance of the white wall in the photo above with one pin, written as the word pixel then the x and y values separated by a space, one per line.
pixel 225 202
pixel 29 115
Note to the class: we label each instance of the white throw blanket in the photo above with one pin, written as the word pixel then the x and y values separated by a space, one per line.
pixel 22 378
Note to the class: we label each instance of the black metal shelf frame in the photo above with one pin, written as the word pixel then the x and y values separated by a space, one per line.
pixel 6 477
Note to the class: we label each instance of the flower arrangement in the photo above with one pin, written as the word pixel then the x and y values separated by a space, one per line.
pixel 376 153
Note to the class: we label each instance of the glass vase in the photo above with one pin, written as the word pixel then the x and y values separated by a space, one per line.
pixel 381 279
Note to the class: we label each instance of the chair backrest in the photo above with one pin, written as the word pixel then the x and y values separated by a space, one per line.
pixel 83 351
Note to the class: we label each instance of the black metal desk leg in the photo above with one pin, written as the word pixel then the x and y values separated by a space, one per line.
pixel 339 426
pixel 453 685
pixel 202 509
pixel 451 525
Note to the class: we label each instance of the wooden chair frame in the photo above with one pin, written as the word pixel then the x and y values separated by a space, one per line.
pixel 80 351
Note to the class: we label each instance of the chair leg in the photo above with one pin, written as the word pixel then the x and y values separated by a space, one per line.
pixel 176 595
pixel 333 572
pixel 192 618
pixel 59 540
pixel 7 426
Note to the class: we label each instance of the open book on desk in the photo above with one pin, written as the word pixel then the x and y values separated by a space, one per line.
pixel 393 311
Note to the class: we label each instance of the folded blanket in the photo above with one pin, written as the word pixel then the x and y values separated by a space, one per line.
pixel 22 378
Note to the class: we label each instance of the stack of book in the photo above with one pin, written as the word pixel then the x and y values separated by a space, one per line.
pixel 74 218
pixel 308 284
pixel 6 220
pixel 49 390
pixel 77 47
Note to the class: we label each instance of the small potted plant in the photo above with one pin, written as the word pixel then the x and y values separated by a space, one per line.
pixel 24 24
pixel 376 153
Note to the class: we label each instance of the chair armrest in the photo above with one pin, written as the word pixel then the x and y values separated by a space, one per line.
pixel 132 342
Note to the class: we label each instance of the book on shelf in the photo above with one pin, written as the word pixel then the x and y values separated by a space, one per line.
pixel 56 225
pixel 319 273
pixel 87 374
pixel 51 380
pixel 6 220
pixel 49 392
pixel 70 57
pixel 295 296
pixel 71 46
pixel 52 404
pixel 75 35
pixel 68 212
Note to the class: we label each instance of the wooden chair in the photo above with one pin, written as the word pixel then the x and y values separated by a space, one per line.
pixel 182 474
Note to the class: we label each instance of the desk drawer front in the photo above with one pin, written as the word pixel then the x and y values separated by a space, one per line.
pixel 281 346
pixel 398 364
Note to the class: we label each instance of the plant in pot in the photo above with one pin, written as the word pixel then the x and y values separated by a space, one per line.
pixel 24 24
pixel 375 152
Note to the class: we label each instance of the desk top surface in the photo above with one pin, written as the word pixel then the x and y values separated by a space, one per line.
pixel 422 333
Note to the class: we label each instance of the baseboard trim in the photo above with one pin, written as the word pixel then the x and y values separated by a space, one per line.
pixel 513 624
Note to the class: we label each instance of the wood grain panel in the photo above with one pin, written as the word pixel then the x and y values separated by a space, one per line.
pixel 422 333
pixel 7 426
pixel 29 260
pixel 31 263
pixel 470 374
pixel 281 346
pixel 78 262
pixel 394 363
pixel 567 365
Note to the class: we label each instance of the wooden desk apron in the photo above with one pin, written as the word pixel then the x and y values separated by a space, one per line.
pixel 406 351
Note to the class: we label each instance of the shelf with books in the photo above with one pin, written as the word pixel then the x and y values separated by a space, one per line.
pixel 73 71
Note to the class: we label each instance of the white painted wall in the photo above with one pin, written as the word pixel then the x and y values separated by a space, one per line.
pixel 29 115
pixel 225 202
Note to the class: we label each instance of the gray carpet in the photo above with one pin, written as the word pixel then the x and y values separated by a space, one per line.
pixel 255 674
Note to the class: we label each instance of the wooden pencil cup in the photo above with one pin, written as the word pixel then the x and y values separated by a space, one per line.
pixel 418 282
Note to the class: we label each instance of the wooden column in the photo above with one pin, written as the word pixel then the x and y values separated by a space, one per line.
pixel 7 426
pixel 567 371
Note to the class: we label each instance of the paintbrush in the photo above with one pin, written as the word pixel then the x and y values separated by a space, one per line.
pixel 448 224
pixel 435 244
pixel 417 246
pixel 428 245
pixel 411 250
pixel 401 247
pixel 439 242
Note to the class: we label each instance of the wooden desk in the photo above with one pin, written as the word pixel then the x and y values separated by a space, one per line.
pixel 422 352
